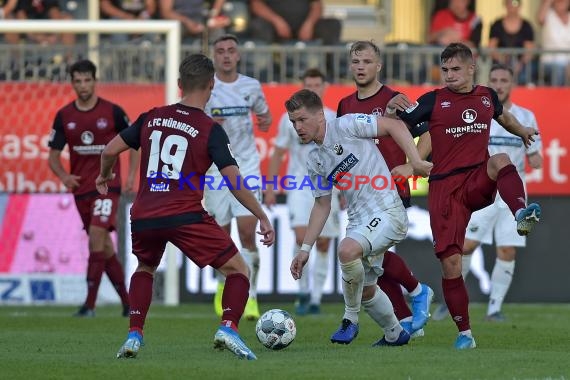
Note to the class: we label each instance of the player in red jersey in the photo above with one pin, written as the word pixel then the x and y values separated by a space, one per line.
pixel 86 125
pixel 178 143
pixel 464 178
pixel 373 97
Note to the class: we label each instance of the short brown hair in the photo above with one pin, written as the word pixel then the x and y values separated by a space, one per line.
pixel 313 73
pixel 363 45
pixel 304 98
pixel 226 37
pixel 196 72
pixel 502 66
pixel 456 50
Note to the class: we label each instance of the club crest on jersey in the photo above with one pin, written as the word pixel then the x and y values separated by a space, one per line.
pixel 469 115
pixel 71 125
pixel 87 138
pixel 486 102
pixel 102 123
pixel 338 149
pixel 378 111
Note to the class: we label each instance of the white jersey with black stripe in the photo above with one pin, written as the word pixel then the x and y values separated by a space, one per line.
pixel 348 153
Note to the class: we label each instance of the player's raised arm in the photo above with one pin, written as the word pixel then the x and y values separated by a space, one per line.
pixel 511 124
pixel 400 133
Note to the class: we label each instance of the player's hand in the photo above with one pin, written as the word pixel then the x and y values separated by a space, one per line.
pixel 282 28
pixel 101 183
pixel 71 181
pixel 305 33
pixel 269 198
pixel 264 122
pixel 266 229
pixel 528 136
pixel 298 264
pixel 422 168
pixel 400 102
pixel 401 173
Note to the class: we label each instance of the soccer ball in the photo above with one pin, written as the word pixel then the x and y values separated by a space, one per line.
pixel 275 329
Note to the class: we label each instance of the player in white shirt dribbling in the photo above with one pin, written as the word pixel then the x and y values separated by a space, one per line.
pixel 376 216
pixel 496 221
pixel 234 98
pixel 300 199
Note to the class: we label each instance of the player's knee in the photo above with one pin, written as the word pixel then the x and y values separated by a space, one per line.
pixel 499 161
pixel 469 246
pixel 368 292
pixel 506 253
pixel 451 265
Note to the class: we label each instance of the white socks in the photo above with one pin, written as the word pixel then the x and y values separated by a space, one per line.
pixel 381 311
pixel 352 282
pixel 465 265
pixel 252 260
pixel 320 271
pixel 501 279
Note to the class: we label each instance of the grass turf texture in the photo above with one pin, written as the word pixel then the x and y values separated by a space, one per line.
pixel 47 343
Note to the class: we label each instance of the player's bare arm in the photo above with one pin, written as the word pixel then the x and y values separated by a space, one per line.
pixel 134 160
pixel 54 161
pixel 319 214
pixel 246 198
pixel 264 121
pixel 400 133
pixel 109 157
pixel 274 164
pixel 535 160
pixel 511 124
pixel 424 149
pixel 399 102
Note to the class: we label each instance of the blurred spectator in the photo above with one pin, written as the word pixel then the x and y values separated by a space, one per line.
pixel 41 10
pixel 281 20
pixel 195 17
pixel 554 16
pixel 456 23
pixel 513 31
pixel 127 10
pixel 6 8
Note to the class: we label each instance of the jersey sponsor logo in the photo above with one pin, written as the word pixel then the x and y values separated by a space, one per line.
pixel 87 138
pixel 378 111
pixel 71 125
pixel 469 115
pixel 343 167
pixel 412 107
pixel 364 118
pixel 506 141
pixel 486 102
pixel 102 123
pixel 229 111
pixel 338 149
pixel 445 104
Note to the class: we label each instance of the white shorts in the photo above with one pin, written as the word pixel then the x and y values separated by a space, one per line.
pixel 300 204
pixel 222 205
pixel 497 221
pixel 384 229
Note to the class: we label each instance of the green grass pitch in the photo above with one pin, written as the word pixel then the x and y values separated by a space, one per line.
pixel 45 342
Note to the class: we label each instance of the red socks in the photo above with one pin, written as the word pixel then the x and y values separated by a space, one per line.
pixel 140 296
pixel 114 270
pixel 234 298
pixel 95 268
pixel 457 300
pixel 511 188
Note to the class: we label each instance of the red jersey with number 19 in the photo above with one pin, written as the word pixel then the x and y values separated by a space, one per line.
pixel 178 144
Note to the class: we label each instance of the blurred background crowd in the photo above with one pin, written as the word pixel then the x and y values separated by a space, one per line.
pixel 282 38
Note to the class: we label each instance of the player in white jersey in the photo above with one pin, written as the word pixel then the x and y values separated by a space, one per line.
pixel 347 158
pixel 496 221
pixel 234 98
pixel 300 199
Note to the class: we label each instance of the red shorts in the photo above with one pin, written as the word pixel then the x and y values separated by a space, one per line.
pixel 98 210
pixel 205 243
pixel 451 201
